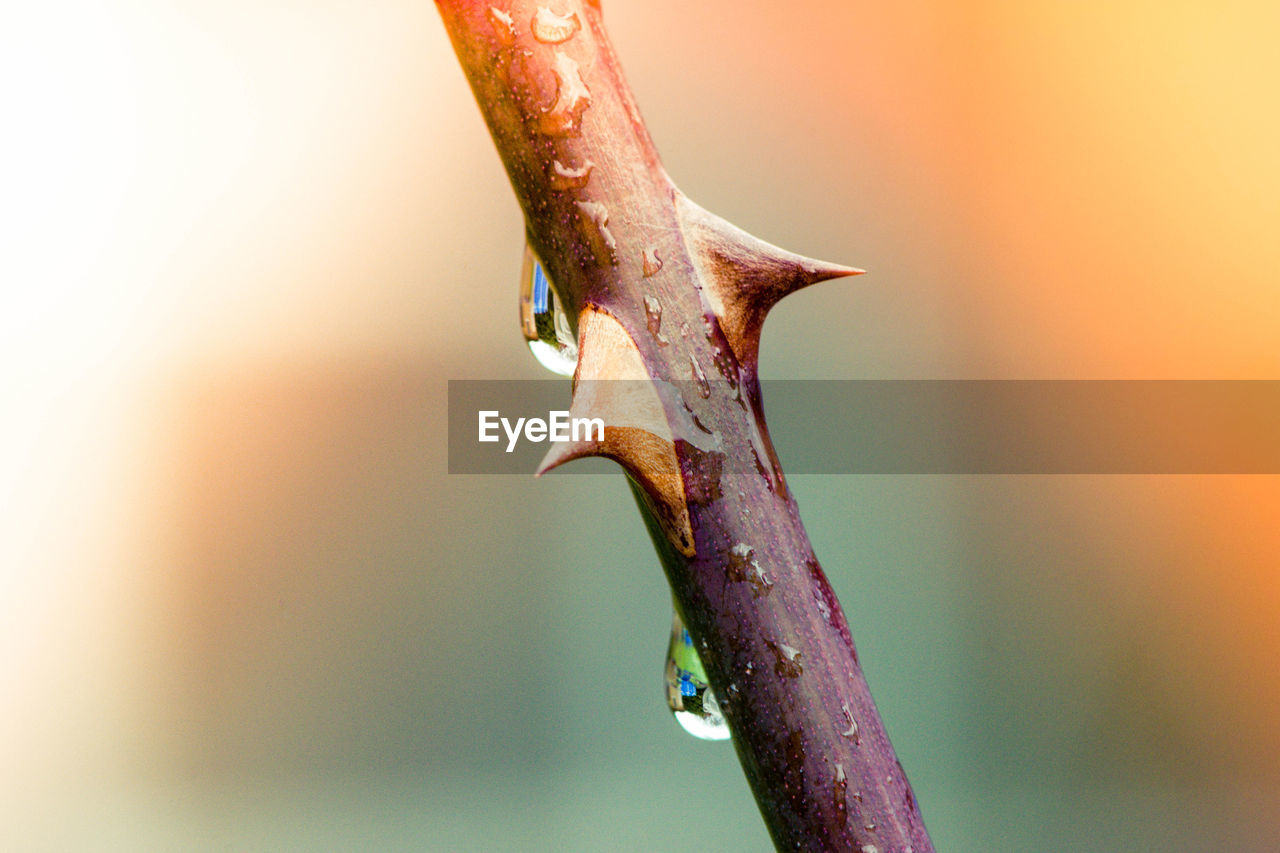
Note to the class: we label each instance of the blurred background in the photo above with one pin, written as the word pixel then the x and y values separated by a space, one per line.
pixel 243 605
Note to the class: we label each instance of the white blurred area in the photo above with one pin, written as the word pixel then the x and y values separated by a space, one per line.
pixel 186 188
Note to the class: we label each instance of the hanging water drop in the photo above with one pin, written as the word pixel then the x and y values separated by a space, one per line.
pixel 689 695
pixel 543 320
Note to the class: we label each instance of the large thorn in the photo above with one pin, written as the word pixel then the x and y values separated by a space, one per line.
pixel 742 276
pixel 613 385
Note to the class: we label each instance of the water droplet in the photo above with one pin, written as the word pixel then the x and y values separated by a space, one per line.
pixel 543 319
pixel 852 731
pixel 743 567
pixel 593 222
pixel 870 848
pixel 787 662
pixel 503 27
pixel 689 695
pixel 650 263
pixel 550 28
pixel 564 178
pixel 702 429
pixel 704 387
pixel 869 827
pixel 564 116
pixel 685 425
pixel 751 667
pixel 653 319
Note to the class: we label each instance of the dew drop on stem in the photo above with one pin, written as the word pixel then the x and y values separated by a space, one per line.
pixel 550 28
pixel 650 263
pixel 653 319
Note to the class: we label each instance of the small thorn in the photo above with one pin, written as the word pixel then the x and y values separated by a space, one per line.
pixel 613 385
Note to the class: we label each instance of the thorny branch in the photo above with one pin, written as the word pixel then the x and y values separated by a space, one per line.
pixel 672 297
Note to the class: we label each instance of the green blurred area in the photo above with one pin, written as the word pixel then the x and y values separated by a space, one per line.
pixel 355 648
